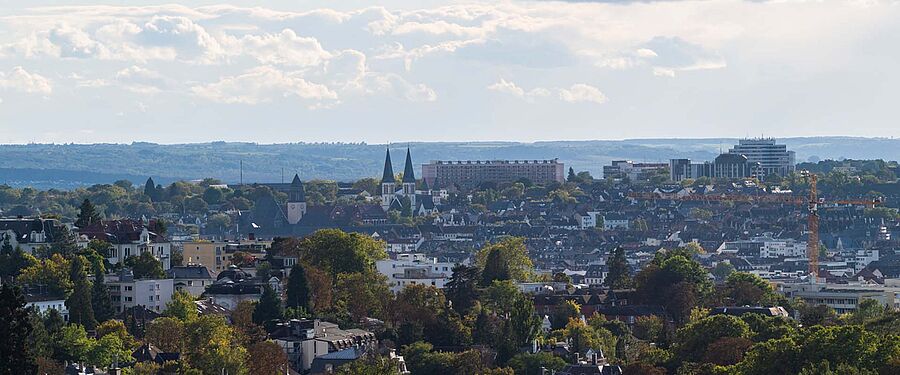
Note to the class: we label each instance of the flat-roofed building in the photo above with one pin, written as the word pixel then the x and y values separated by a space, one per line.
pixel 773 158
pixel 468 174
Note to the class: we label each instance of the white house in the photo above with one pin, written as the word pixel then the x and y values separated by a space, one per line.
pixel 127 292
pixel 412 268
pixel 615 221
pixel 28 234
pixel 44 303
pixel 128 238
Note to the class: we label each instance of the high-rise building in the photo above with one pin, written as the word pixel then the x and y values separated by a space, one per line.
pixel 727 166
pixel 773 158
pixel 471 173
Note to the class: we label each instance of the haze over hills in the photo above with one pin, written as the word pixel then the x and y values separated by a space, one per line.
pixel 72 165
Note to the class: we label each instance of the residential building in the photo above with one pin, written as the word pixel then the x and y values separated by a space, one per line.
pixel 128 238
pixel 28 234
pixel 595 274
pixel 843 298
pixel 305 340
pixel 211 254
pixel 765 247
pixel 613 221
pixel 192 279
pixel 772 157
pixel 468 174
pixel 586 219
pixel 43 302
pixel 410 269
pixel 127 292
pixel 620 169
pixel 234 285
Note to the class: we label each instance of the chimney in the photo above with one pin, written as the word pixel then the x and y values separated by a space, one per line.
pixel 251 236
pixel 577 358
pixel 594 359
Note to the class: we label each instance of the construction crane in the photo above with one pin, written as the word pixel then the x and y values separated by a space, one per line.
pixel 812 202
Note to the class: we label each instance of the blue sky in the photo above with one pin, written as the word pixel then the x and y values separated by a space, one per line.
pixel 394 71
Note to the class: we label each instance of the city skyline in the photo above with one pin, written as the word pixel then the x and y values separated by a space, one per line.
pixel 407 71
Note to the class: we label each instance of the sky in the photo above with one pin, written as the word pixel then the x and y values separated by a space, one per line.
pixel 398 70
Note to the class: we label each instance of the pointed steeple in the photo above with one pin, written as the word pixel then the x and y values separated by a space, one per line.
pixel 296 193
pixel 388 175
pixel 409 175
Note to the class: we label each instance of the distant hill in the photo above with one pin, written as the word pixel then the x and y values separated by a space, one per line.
pixel 70 165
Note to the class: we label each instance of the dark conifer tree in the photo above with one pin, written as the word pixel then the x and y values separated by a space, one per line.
pixel 150 189
pixel 619 273
pixel 462 288
pixel 495 268
pixel 269 306
pixel 298 288
pixel 88 215
pixel 79 302
pixel 100 299
pixel 15 325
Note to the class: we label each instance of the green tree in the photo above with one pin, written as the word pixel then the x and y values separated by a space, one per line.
pixel 101 302
pixel 619 274
pixel 73 343
pixel 64 242
pixel 15 355
pixel 181 307
pixel 166 333
pixel 88 215
pixel 79 302
pixel 108 349
pixel 151 191
pixel 213 195
pixel 210 346
pixel 145 266
pixel 269 307
pixel 564 311
pixel 722 270
pixel 14 260
pixel 495 269
pixel 513 253
pixel 370 365
pixel 461 289
pixel 748 289
pixel 695 338
pixel 334 251
pixel 672 280
pixel 297 288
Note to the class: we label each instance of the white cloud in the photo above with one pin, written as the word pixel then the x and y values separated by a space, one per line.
pixel 510 88
pixel 18 79
pixel 576 93
pixel 142 80
pixel 284 48
pixel 261 85
pixel 580 92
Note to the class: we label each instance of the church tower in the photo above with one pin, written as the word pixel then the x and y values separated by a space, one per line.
pixel 388 183
pixel 296 204
pixel 409 179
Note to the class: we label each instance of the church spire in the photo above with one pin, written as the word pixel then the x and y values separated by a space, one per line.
pixel 409 175
pixel 388 175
